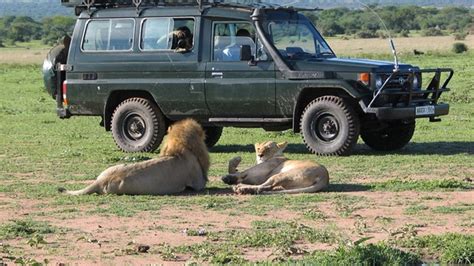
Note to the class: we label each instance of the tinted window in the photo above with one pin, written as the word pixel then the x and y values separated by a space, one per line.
pixel 109 35
pixel 167 34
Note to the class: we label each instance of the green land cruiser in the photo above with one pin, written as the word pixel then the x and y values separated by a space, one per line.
pixel 144 64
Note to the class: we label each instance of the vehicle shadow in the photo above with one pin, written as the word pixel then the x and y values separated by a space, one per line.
pixel 423 148
pixel 207 191
pixel 228 190
pixel 292 148
pixel 347 188
pixel 413 148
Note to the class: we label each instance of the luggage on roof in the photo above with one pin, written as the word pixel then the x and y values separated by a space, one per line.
pixel 112 3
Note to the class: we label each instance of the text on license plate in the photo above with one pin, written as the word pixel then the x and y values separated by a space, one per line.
pixel 425 110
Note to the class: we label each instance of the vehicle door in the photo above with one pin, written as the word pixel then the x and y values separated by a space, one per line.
pixel 236 88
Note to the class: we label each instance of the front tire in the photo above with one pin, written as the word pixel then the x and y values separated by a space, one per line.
pixel 393 137
pixel 138 125
pixel 329 126
pixel 213 134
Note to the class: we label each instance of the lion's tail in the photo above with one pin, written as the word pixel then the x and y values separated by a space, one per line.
pixel 313 188
pixel 91 189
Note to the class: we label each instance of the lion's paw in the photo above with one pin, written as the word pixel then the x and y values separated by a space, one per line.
pixel 233 163
pixel 245 190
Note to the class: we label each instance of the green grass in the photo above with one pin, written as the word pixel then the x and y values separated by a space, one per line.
pixel 25 228
pixel 371 254
pixel 415 209
pixel 449 248
pixel 462 208
pixel 34 44
pixel 39 152
pixel 227 246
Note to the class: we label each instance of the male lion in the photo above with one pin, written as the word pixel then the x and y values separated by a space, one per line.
pixel 183 163
pixel 274 173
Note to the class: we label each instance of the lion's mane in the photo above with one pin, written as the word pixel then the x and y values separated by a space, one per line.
pixel 187 136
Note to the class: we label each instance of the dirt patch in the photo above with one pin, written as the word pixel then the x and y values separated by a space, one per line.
pixel 99 238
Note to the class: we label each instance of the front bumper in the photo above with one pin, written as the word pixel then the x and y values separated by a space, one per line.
pixel 402 113
pixel 406 102
pixel 63 113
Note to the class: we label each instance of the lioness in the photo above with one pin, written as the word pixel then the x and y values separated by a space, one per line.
pixel 274 173
pixel 183 163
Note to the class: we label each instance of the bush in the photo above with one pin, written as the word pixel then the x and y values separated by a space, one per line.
pixel 365 34
pixel 459 48
pixel 460 36
pixel 432 32
pixel 404 33
pixel 382 34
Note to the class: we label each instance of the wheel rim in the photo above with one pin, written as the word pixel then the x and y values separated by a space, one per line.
pixel 326 127
pixel 134 127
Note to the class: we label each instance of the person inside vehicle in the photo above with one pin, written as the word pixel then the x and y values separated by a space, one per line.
pixel 182 40
pixel 232 52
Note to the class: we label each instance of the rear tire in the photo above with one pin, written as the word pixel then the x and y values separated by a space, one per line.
pixel 213 134
pixel 329 126
pixel 138 125
pixel 393 137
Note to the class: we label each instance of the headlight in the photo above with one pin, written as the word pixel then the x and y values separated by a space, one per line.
pixel 417 82
pixel 378 82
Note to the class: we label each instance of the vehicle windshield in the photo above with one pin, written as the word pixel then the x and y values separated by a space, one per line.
pixel 297 39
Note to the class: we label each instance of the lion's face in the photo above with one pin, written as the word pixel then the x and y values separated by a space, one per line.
pixel 269 149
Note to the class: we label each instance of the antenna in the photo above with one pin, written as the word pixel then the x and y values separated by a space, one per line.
pixel 392 45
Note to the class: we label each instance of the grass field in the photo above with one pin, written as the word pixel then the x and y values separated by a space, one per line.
pixel 403 207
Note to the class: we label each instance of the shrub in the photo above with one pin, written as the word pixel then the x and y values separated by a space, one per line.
pixel 382 34
pixel 404 33
pixel 459 48
pixel 365 34
pixel 460 36
pixel 470 29
pixel 432 32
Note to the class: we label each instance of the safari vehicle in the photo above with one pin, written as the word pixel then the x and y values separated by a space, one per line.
pixel 257 65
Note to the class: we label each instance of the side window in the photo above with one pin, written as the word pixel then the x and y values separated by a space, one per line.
pixel 109 35
pixel 229 38
pixel 167 34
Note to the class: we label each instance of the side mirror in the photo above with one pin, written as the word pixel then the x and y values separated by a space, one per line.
pixel 246 53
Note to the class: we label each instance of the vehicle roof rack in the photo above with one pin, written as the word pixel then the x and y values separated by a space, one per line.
pixel 90 5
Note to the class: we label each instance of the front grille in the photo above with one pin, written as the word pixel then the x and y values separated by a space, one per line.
pixel 398 89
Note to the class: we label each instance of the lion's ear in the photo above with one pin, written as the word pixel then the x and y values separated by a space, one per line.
pixel 282 145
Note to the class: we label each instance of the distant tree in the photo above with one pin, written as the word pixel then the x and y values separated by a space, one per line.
pixel 22 29
pixel 55 28
pixel 2 32
pixel 398 19
pixel 328 21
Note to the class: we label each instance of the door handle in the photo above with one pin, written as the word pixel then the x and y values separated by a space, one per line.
pixel 217 74
pixel 89 76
